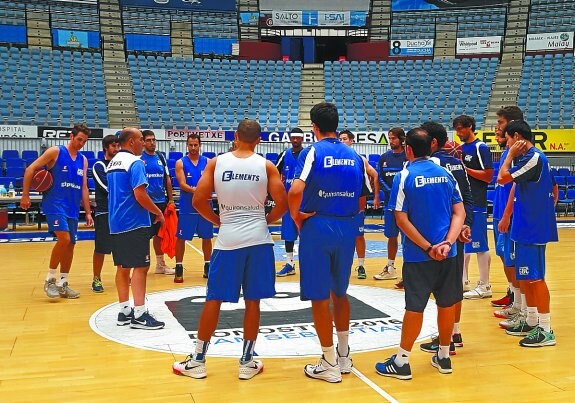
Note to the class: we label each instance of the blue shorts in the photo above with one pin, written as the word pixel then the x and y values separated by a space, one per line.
pixel 529 261
pixel 359 223
pixel 190 224
pixel 59 222
pixel 505 243
pixel 478 234
pixel 251 269
pixel 390 229
pixel 326 249
pixel 289 229
pixel 498 244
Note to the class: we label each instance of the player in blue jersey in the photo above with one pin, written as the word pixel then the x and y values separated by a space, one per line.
pixel 429 253
pixel 129 208
pixel 286 164
pixel 61 205
pixel 389 164
pixel 438 136
pixel 533 226
pixel 102 240
pixel 479 166
pixel 347 138
pixel 324 197
pixel 160 190
pixel 189 169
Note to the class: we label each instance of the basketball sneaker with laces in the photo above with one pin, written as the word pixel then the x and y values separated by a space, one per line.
pixel 51 289
pixel 466 286
pixel 505 301
pixel 482 290
pixel 251 369
pixel 389 273
pixel 164 269
pixel 345 362
pixel 124 319
pixel 323 370
pixel 391 369
pixel 361 273
pixel 146 322
pixel 399 285
pixel 512 321
pixel 506 313
pixel 433 346
pixel 457 340
pixel 538 338
pixel 443 365
pixel 97 285
pixel 190 367
pixel 287 270
pixel 179 274
pixel 522 329
pixel 67 292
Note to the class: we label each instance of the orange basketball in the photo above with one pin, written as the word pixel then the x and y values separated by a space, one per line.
pixel 42 181
pixel 452 148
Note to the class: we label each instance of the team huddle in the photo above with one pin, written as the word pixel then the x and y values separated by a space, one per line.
pixel 436 201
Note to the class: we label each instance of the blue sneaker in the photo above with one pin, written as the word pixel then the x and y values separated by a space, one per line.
pixel 124 320
pixel 288 270
pixel 390 368
pixel 97 285
pixel 147 322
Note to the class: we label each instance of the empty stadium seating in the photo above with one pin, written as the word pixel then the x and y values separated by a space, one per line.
pixel 551 16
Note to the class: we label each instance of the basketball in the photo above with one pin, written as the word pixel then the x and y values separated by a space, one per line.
pixel 453 149
pixel 42 181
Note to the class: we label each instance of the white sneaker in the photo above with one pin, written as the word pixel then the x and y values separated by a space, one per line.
pixel 512 321
pixel 190 367
pixel 388 273
pixel 164 269
pixel 466 286
pixel 323 370
pixel 251 369
pixel 345 362
pixel 481 291
pixel 506 313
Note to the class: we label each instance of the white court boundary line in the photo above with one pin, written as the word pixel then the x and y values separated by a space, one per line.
pixel 357 373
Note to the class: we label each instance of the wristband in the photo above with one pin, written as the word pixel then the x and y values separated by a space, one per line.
pixel 429 249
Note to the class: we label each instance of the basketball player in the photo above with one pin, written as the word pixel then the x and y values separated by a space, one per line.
pixel 324 197
pixel 243 254
pixel 61 204
pixel 477 160
pixel 429 254
pixel 533 226
pixel 286 164
pixel 454 165
pixel 188 172
pixel 390 163
pixel 102 240
pixel 159 185
pixel 129 208
pixel 347 138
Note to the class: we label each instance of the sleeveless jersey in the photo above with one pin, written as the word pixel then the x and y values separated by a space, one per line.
pixel 101 183
pixel 241 188
pixel 65 195
pixel 193 174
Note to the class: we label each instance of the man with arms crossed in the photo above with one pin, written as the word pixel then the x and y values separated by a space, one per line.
pixel 61 204
pixel 243 255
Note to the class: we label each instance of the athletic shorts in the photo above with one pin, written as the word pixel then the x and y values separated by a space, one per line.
pixel 250 269
pixel 390 229
pixel 498 246
pixel 459 265
pixel 421 279
pixel 326 249
pixel 59 222
pixel 102 237
pixel 359 223
pixel 190 224
pixel 478 234
pixel 156 227
pixel 132 249
pixel 289 229
pixel 529 261
pixel 508 246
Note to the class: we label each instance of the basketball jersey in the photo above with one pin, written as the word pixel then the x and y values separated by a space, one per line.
pixel 126 172
pixel 389 165
pixel 501 195
pixel 241 186
pixel 101 184
pixel 155 171
pixel 427 193
pixel 193 174
pixel 65 195
pixel 476 155
pixel 334 176
pixel 286 165
pixel 534 219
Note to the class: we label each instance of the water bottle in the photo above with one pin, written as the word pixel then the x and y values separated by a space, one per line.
pixel 3 191
pixel 11 190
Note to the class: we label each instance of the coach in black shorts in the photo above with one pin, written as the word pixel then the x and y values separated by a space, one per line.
pixel 429 210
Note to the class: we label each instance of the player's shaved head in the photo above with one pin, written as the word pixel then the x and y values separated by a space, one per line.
pixel 127 133
pixel 249 131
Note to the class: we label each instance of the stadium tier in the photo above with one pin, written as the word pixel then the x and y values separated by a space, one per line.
pixel 551 16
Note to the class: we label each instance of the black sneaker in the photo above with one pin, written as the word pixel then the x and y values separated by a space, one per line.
pixel 457 340
pixel 123 319
pixel 391 369
pixel 206 270
pixel 433 346
pixel 443 365
pixel 361 273
pixel 179 275
pixel 522 329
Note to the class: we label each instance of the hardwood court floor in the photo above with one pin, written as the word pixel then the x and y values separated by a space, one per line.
pixel 48 352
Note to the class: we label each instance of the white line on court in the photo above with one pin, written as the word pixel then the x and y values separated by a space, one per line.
pixel 361 376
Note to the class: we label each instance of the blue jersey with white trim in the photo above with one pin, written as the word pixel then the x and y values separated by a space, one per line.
pixel 334 176
pixel 389 165
pixel 534 219
pixel 193 174
pixel 155 171
pixel 476 155
pixel 501 194
pixel 426 192
pixel 65 195
pixel 125 173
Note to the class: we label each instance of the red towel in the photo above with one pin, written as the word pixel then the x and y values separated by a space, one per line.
pixel 168 231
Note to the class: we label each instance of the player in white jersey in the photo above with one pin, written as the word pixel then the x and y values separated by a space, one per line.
pixel 243 254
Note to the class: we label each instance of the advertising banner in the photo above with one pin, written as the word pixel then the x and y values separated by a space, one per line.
pixel 314 18
pixel 287 18
pixel 205 135
pixel 250 18
pixel 75 39
pixel 548 140
pixel 18 131
pixel 333 18
pixel 479 45
pixel 191 5
pixel 549 41
pixel 55 132
pixel 411 47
